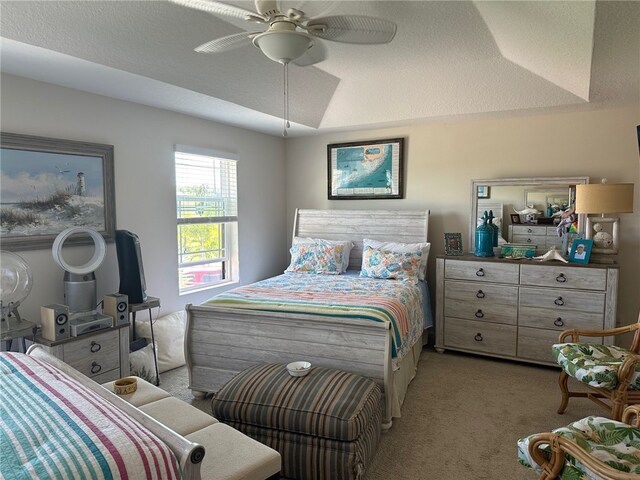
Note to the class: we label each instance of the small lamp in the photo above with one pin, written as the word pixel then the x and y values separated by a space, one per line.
pixel 604 198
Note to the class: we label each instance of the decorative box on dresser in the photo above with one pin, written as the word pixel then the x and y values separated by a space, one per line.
pixel 102 356
pixel 517 308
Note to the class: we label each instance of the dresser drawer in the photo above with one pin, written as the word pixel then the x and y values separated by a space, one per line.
pixel 529 239
pixel 538 230
pixel 94 354
pixel 535 343
pixel 479 271
pixel 480 336
pixel 560 300
pixel 564 276
pixel 537 317
pixel 474 301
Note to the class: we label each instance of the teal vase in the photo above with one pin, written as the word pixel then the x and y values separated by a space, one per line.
pixel 484 238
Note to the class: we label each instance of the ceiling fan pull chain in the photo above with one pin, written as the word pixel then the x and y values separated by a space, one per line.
pixel 284 100
pixel 286 67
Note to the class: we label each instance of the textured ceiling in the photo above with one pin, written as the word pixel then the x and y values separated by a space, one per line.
pixel 448 58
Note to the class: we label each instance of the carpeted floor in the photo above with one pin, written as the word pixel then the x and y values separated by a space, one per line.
pixel 461 419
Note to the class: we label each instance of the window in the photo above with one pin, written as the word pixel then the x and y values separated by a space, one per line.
pixel 207 214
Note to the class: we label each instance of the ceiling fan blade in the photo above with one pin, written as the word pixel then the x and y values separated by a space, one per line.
pixel 227 43
pixel 315 54
pixel 217 8
pixel 352 29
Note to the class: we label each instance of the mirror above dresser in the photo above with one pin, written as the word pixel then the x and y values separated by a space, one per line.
pixel 535 203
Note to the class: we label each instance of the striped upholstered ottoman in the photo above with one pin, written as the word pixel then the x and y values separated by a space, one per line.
pixel 326 425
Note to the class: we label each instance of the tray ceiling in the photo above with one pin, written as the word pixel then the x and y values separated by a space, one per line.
pixel 447 59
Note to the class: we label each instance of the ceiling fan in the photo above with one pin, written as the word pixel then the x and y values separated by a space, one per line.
pixel 291 35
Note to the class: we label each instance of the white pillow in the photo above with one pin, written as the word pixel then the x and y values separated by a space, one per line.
pixel 348 245
pixel 398 247
pixel 141 364
pixel 169 333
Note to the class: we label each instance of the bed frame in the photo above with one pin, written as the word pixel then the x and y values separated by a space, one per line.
pixel 222 341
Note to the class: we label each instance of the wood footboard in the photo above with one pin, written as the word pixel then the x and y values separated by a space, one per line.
pixel 220 342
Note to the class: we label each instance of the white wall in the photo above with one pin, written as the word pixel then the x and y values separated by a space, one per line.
pixel 143 138
pixel 443 157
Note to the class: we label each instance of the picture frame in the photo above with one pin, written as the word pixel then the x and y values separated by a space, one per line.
pixel 51 184
pixel 483 191
pixel 580 251
pixel 453 243
pixel 515 218
pixel 567 240
pixel 366 170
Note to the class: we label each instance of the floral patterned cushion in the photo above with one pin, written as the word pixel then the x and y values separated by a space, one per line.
pixel 316 258
pixel 614 443
pixel 594 364
pixel 390 265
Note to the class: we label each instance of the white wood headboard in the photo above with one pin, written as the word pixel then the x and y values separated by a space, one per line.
pixel 407 226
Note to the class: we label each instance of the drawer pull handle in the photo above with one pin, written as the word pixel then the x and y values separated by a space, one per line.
pixel 95 368
pixel 528 240
pixel 480 294
pixel 95 347
pixel 558 322
pixel 558 301
pixel 561 278
pixel 480 273
pixel 529 230
pixel 479 314
pixel 478 337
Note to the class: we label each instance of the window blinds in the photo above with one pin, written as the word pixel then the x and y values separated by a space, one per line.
pixel 206 188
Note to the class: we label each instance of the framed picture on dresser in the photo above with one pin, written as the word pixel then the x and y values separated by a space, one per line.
pixel 453 243
pixel 580 251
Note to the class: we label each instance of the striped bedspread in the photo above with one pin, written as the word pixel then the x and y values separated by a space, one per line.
pixel 398 302
pixel 53 427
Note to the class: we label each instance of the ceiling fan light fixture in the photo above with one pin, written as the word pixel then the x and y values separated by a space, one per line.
pixel 283 46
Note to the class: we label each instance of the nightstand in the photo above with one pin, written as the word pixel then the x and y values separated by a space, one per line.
pixel 102 356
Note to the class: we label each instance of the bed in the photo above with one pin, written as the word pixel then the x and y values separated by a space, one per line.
pixel 222 340
pixel 55 423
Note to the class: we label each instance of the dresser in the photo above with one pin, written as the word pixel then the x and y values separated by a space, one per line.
pixel 517 308
pixel 102 356
pixel 544 236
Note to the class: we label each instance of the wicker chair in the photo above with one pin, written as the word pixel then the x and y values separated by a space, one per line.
pixel 611 372
pixel 591 448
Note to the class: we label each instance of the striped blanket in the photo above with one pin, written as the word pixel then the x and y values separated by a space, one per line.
pixel 350 296
pixel 53 427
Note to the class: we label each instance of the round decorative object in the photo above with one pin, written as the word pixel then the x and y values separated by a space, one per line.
pixel 16 278
pixel 125 386
pixel 299 369
pixel 98 253
pixel 601 239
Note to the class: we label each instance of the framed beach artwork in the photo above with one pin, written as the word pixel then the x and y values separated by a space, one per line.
pixel 49 185
pixel 366 170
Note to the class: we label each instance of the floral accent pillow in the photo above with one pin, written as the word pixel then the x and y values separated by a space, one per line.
pixel 390 265
pixel 316 258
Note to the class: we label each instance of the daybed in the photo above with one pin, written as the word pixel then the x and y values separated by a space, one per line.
pixel 222 339
pixel 57 423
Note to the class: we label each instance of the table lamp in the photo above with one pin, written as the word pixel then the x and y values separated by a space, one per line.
pixel 604 198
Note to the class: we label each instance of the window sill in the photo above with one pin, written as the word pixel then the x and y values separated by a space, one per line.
pixel 205 288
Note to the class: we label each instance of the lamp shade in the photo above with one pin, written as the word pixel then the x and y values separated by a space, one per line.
pixel 604 198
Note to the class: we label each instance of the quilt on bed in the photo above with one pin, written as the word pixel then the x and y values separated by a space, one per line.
pixel 398 302
pixel 54 427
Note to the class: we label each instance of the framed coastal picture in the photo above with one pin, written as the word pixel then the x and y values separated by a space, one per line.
pixel 49 185
pixel 366 170
pixel 484 191
pixel 453 244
